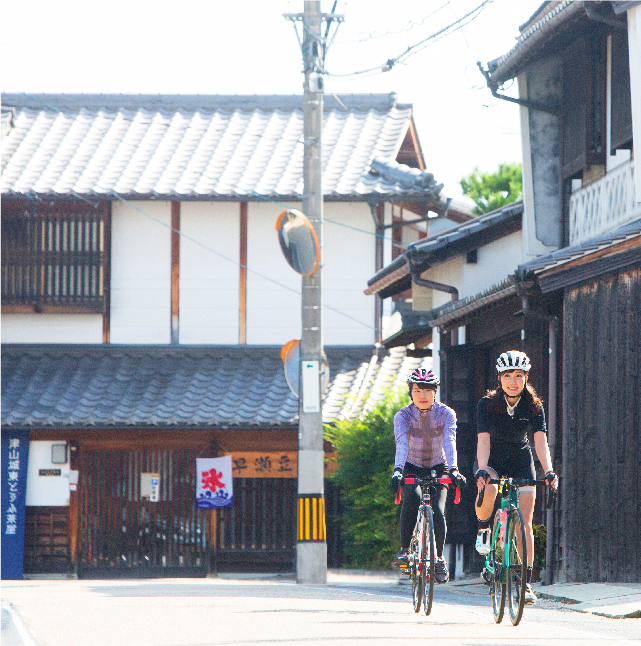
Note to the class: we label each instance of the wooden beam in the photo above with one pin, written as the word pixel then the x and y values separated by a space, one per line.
pixel 106 272
pixel 416 144
pixel 175 271
pixel 379 262
pixel 242 305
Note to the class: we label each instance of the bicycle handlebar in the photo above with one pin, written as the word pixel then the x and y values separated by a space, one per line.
pixel 519 482
pixel 427 481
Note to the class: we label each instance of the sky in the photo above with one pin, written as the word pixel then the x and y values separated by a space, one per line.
pixel 248 47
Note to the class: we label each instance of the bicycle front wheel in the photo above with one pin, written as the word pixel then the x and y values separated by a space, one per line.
pixel 415 570
pixel 429 557
pixel 497 586
pixel 516 558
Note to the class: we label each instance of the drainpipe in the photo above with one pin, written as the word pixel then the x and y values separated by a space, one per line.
pixel 553 337
pixel 440 287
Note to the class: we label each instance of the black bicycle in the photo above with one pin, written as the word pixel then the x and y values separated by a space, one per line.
pixel 506 564
pixel 422 550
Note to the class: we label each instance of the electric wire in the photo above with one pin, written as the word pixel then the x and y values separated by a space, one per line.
pixel 419 46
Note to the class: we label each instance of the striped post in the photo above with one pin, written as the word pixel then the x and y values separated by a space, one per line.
pixel 311 519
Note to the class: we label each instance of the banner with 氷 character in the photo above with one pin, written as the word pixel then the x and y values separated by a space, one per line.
pixel 214 483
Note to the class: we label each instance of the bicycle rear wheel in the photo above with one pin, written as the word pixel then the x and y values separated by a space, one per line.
pixel 415 571
pixel 497 587
pixel 429 557
pixel 517 565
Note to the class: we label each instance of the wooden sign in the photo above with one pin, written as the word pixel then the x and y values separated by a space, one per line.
pixel 271 464
pixel 264 464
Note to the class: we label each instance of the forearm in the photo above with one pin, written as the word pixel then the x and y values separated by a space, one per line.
pixel 483 450
pixel 543 451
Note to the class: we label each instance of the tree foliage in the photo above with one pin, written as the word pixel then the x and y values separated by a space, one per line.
pixel 493 190
pixel 365 452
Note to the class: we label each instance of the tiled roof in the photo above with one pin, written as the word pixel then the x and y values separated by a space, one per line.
pixel 188 387
pixel 553 16
pixel 567 254
pixel 443 245
pixel 198 147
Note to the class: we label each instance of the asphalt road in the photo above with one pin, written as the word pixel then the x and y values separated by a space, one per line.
pixel 201 612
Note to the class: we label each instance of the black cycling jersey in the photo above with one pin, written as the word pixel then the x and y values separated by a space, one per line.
pixel 505 429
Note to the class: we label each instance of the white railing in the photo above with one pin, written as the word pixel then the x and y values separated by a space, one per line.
pixel 604 205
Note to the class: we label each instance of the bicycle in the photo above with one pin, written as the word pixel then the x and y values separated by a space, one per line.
pixel 506 564
pixel 422 550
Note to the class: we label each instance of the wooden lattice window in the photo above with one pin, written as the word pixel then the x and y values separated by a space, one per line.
pixel 53 256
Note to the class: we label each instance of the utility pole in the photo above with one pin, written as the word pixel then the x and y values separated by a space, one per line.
pixel 311 546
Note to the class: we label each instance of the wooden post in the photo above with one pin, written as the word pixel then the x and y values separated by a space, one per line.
pixel 73 525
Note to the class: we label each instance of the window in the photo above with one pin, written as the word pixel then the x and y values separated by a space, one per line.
pixel 583 124
pixel 53 256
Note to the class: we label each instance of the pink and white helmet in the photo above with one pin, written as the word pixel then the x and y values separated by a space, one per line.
pixel 424 377
pixel 513 360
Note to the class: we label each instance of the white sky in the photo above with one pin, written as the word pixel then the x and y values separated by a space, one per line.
pixel 247 47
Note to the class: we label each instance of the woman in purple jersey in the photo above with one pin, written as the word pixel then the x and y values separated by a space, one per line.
pixel 425 434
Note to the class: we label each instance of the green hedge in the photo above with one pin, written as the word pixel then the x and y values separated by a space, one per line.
pixel 365 452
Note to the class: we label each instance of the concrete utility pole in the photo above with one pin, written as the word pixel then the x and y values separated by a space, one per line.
pixel 311 546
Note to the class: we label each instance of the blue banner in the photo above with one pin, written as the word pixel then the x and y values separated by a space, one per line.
pixel 15 453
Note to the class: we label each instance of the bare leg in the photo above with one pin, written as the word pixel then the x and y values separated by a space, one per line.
pixel 526 503
pixel 485 510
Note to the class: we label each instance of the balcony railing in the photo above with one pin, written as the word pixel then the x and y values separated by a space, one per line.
pixel 604 205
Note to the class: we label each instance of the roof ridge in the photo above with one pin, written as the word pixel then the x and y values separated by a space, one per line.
pixel 236 101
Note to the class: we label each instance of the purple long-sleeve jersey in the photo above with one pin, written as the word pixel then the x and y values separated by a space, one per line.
pixel 425 439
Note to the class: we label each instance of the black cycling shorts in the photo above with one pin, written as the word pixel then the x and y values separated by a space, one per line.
pixel 511 462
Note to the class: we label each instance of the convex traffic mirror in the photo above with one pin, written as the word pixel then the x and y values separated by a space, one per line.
pixel 298 241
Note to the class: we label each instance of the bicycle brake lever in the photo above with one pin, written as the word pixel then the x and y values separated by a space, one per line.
pixel 479 502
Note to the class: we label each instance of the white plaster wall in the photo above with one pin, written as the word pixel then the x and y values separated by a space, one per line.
pixel 51 328
pixel 141 273
pixel 209 274
pixel 496 261
pixel 273 310
pixel 46 491
pixel 349 262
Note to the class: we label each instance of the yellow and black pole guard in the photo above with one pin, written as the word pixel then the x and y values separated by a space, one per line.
pixel 311 519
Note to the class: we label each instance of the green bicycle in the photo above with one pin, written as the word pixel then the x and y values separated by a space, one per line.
pixel 506 564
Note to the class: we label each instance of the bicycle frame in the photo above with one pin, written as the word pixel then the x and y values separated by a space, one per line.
pixel 507 561
pixel 420 566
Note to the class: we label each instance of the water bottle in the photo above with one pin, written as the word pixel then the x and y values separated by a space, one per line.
pixel 503 520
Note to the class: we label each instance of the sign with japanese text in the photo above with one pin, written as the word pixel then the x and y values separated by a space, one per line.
pixel 15 453
pixel 214 483
pixel 265 464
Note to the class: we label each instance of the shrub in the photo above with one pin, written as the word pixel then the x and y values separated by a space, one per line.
pixel 365 452
pixel 540 540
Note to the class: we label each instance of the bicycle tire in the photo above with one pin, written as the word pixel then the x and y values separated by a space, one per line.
pixel 517 565
pixel 429 557
pixel 497 585
pixel 414 565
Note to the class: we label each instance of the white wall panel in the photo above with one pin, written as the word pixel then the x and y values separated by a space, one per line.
pixel 52 328
pixel 50 490
pixel 273 312
pixel 209 282
pixel 349 262
pixel 141 273
pixel 496 261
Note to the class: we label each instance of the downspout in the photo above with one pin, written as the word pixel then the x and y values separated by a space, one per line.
pixel 524 283
pixel 553 338
pixel 440 287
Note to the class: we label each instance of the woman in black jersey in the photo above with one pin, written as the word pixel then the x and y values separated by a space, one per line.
pixel 505 416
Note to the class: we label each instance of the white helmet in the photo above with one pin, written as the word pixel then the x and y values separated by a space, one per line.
pixel 513 360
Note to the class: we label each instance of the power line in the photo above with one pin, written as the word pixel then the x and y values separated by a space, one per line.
pixel 413 49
